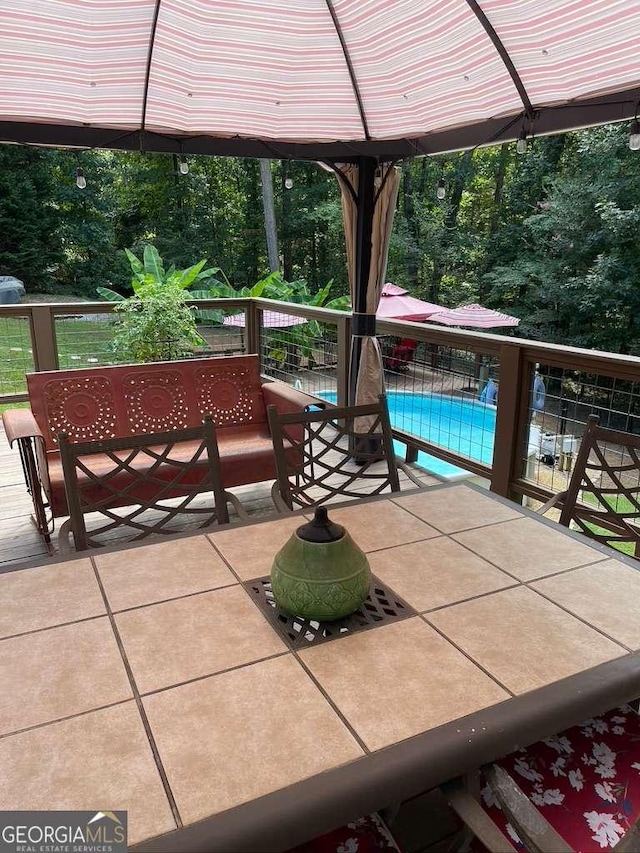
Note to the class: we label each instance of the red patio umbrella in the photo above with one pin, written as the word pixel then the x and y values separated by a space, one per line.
pixel 473 315
pixel 396 304
pixel 270 320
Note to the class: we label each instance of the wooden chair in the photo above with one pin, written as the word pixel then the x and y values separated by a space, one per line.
pixel 121 480
pixel 603 497
pixel 344 452
pixel 577 792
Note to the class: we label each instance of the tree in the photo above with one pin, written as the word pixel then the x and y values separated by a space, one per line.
pixel 90 256
pixel 268 207
pixel 30 245
pixel 575 277
pixel 551 236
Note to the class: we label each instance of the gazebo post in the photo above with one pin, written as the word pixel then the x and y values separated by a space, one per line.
pixel 362 323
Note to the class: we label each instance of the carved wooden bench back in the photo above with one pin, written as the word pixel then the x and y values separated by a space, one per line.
pixel 135 399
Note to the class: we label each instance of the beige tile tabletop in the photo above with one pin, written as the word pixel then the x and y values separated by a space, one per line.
pixel 436 572
pixel 49 595
pixel 250 550
pixel 456 508
pixel 399 680
pixel 149 679
pixel 381 525
pixel 102 757
pixel 56 673
pixel 149 574
pixel 607 595
pixel 522 639
pixel 190 637
pixel 528 549
pixel 275 728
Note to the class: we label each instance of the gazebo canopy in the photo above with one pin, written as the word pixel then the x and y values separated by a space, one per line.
pixel 312 79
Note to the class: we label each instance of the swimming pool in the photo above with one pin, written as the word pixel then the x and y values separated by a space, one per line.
pixel 465 426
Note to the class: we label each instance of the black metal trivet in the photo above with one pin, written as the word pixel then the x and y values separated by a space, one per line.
pixel 381 606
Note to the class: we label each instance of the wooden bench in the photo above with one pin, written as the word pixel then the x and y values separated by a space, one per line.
pixel 102 403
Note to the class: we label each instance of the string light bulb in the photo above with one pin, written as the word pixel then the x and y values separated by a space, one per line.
pixel 183 166
pixel 81 181
pixel 521 145
pixel 634 135
pixel 441 190
pixel 288 180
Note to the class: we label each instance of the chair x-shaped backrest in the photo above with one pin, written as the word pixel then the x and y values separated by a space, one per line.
pixel 603 497
pixel 161 472
pixel 344 452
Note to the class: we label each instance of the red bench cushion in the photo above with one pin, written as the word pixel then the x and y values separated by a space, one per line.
pixel 585 781
pixel 366 835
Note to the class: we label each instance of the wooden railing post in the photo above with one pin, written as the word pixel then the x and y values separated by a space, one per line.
pixel 342 370
pixel 43 338
pixel 253 329
pixel 510 421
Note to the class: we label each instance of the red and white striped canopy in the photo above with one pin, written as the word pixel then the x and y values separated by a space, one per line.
pixel 312 78
pixel 475 316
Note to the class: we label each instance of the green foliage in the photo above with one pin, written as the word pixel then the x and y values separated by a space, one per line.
pixel 150 272
pixel 274 286
pixel 155 323
pixel 28 217
pixel 300 338
pixel 576 279
pixel 271 287
pixel 89 256
pixel 552 236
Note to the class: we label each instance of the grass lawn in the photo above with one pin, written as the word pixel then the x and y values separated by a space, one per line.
pixel 619 504
pixel 5 406
pixel 84 343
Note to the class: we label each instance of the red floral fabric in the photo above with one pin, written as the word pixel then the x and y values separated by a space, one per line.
pixel 585 781
pixel 368 834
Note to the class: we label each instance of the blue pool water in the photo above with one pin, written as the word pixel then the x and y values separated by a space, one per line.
pixel 465 426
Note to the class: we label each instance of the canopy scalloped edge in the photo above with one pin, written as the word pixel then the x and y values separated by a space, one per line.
pixel 619 106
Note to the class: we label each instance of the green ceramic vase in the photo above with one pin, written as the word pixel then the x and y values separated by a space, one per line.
pixel 320 573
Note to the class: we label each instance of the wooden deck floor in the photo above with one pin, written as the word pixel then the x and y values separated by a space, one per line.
pixel 19 539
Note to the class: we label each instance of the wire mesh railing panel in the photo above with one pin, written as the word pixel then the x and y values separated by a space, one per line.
pixel 222 340
pixel 305 356
pixel 560 401
pixel 443 386
pixel 443 396
pixel 85 340
pixel 16 354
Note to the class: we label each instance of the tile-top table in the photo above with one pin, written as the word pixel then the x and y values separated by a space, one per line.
pixel 150 679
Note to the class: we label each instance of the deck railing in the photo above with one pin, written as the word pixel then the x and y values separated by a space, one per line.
pixel 524 445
